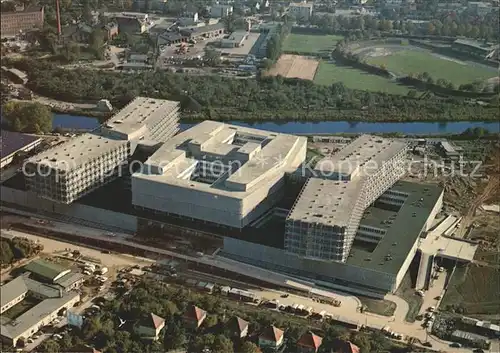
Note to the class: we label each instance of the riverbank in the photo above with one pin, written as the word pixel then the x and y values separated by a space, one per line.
pixel 417 129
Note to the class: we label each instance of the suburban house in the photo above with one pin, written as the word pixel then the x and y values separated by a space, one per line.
pixel 309 343
pixel 150 327
pixel 194 316
pixel 238 327
pixel 271 338
pixel 345 347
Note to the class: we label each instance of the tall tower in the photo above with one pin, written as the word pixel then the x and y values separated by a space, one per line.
pixel 58 16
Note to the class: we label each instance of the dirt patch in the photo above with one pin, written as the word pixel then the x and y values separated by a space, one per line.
pixel 377 52
pixel 295 66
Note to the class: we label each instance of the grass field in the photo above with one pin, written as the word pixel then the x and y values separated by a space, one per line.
pixel 407 292
pixel 328 73
pixel 416 61
pixel 311 43
pixel 475 290
pixel 378 306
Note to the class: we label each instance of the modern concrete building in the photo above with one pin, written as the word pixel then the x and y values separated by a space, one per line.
pixel 325 218
pixel 218 173
pixel 235 40
pixel 387 239
pixel 48 301
pixel 73 169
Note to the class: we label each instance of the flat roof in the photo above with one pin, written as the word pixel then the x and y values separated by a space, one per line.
pixel 11 142
pixel 219 143
pixel 403 230
pixel 135 116
pixel 12 290
pixel 202 29
pixel 367 153
pixel 76 151
pixel 236 36
pixel 326 199
pixel 31 317
pixel 301 4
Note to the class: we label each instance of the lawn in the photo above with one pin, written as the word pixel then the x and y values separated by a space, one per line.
pixel 328 73
pixel 407 292
pixel 414 61
pixel 310 43
pixel 473 290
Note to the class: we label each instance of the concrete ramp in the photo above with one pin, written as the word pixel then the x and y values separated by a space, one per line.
pixel 424 270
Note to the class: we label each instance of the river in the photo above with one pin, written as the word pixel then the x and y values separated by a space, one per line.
pixel 324 127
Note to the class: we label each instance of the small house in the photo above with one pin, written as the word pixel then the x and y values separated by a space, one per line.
pixel 238 327
pixel 309 343
pixel 194 316
pixel 150 327
pixel 271 338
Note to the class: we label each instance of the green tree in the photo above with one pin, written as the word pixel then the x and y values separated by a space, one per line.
pixel 222 344
pixel 30 117
pixel 249 347
pixel 71 51
pixel 412 93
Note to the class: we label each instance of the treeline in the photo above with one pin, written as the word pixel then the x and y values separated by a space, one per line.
pixel 458 26
pixel 214 335
pixel 224 98
pixel 275 43
pixel 15 249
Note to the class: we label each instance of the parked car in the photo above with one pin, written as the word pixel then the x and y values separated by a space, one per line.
pixel 455 345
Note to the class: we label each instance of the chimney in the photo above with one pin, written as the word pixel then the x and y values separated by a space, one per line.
pixel 58 15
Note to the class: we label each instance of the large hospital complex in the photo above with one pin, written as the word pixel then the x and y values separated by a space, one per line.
pixel 353 224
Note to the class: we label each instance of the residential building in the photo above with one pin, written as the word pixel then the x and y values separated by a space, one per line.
pixel 15 143
pixel 309 343
pixel 79 32
pixel 221 10
pixel 131 25
pixel 341 346
pixel 302 11
pixel 221 174
pixel 194 317
pixel 271 338
pixel 77 167
pixel 49 301
pixel 150 327
pixel 239 327
pixel 17 22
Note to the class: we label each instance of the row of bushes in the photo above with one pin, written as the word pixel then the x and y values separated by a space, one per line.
pixel 424 85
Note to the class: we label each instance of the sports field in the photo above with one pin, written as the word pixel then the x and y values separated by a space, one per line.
pixel 414 61
pixel 328 73
pixel 294 66
pixel 311 43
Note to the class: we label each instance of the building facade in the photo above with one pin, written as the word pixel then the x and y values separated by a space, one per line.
pixel 221 10
pixel 302 11
pixel 324 220
pixel 13 23
pixel 221 174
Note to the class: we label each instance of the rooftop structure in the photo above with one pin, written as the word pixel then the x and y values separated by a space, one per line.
pixel 323 222
pixel 144 118
pixel 15 142
pixel 51 301
pixel 219 173
pixel 50 272
pixel 80 165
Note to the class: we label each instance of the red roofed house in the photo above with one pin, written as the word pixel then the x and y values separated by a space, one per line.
pixel 239 327
pixel 309 343
pixel 150 327
pixel 194 316
pixel 271 337
pixel 345 347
